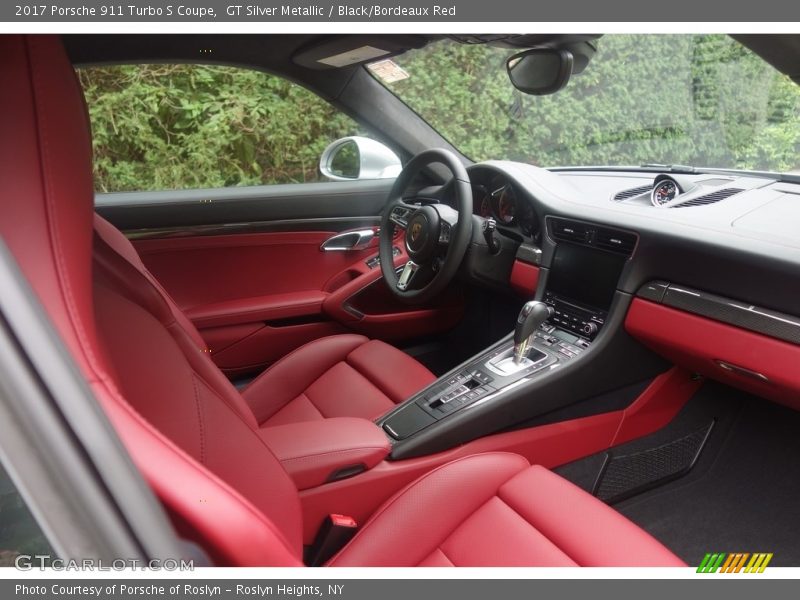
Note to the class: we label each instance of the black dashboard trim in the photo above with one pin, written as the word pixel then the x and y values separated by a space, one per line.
pixel 744 315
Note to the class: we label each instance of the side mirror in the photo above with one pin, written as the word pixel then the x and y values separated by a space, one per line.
pixel 352 158
pixel 540 71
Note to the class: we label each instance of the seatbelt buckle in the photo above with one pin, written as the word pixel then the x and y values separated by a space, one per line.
pixel 334 533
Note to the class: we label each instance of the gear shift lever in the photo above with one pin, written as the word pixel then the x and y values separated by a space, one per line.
pixel 532 315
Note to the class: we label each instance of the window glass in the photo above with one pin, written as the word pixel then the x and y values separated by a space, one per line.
pixel 19 532
pixel 169 127
pixel 702 100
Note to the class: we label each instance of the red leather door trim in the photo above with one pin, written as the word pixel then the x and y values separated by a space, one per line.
pixel 205 270
pixel 233 286
pixel 273 307
pixel 359 299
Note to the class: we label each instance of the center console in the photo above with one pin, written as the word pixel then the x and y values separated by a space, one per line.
pixel 580 286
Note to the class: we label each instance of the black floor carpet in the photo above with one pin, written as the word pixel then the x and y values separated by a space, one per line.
pixel 743 494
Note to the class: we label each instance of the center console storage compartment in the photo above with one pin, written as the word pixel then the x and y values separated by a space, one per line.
pixel 318 452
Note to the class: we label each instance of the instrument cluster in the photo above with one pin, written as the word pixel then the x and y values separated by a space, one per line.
pixel 496 197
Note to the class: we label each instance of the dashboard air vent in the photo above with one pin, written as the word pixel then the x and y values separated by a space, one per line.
pixel 615 241
pixel 710 198
pixel 633 192
pixel 587 234
pixel 570 231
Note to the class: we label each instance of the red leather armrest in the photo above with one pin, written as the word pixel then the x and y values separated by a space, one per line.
pixel 260 308
pixel 313 451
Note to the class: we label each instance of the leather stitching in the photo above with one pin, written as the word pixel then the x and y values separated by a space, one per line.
pixel 376 380
pixel 389 503
pixel 357 372
pixel 533 525
pixel 447 558
pixel 200 424
pixel 331 453
pixel 51 211
pixel 266 425
pixel 266 310
pixel 253 398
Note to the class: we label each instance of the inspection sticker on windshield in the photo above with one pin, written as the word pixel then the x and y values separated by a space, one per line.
pixel 353 56
pixel 388 70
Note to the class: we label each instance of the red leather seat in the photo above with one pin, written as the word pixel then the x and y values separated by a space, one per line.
pixel 193 437
pixel 494 509
pixel 337 376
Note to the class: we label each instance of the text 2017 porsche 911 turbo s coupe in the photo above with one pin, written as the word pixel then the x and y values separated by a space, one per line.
pixel 400 300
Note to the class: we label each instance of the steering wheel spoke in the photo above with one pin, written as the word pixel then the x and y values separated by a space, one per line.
pixel 445 231
pixel 407 275
pixel 435 235
pixel 400 214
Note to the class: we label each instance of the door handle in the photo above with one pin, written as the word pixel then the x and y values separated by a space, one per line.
pixel 350 241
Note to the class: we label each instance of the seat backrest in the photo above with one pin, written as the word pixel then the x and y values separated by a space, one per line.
pixel 194 440
pixel 120 266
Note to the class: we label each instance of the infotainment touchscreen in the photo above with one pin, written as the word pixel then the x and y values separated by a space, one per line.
pixel 585 275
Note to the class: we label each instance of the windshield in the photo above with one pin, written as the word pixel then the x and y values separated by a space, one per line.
pixel 702 100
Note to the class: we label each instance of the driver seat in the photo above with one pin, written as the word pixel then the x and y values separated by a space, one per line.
pixel 343 375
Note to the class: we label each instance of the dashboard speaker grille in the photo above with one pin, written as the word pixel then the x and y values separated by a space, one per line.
pixel 710 198
pixel 631 193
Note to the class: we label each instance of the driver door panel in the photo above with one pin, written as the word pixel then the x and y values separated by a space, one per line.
pixel 249 270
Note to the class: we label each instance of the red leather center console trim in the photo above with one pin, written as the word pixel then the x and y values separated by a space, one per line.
pixel 524 278
pixel 547 445
pixel 313 451
pixel 697 343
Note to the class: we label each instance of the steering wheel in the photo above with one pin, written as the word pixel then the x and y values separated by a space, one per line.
pixel 436 237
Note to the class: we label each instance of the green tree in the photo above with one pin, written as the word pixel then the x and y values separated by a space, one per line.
pixel 703 100
pixel 186 126
pixel 691 99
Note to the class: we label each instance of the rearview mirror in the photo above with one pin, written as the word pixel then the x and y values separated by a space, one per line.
pixel 356 157
pixel 540 71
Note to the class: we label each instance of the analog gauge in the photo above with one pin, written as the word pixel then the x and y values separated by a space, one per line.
pixel 506 206
pixel 505 203
pixel 664 192
pixel 483 201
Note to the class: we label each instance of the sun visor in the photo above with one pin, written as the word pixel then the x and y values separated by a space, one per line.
pixel 336 52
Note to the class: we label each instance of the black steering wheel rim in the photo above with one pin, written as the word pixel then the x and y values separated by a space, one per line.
pixel 460 233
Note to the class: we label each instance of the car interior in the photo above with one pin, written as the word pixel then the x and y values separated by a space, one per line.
pixel 454 363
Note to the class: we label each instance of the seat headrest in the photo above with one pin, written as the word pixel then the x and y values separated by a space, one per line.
pixel 46 187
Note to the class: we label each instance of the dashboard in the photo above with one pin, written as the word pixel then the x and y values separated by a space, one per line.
pixel 721 251
pixel 645 272
pixel 733 235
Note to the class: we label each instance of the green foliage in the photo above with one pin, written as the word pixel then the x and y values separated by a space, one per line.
pixel 346 161
pixel 702 100
pixel 19 532
pixel 185 126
